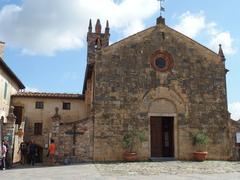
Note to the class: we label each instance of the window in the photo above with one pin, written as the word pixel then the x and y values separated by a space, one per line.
pixel 18 113
pixel 66 106
pixel 37 128
pixel 39 105
pixel 161 61
pixel 5 90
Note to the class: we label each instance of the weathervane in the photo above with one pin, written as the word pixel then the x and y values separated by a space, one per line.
pixel 162 9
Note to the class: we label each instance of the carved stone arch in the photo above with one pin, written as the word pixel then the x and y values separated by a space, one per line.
pixel 165 94
pixel 171 104
pixel 162 106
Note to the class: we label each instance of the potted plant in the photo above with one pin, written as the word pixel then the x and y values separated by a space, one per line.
pixel 129 140
pixel 200 141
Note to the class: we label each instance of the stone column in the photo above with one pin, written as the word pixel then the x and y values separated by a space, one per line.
pixel 8 133
pixel 55 129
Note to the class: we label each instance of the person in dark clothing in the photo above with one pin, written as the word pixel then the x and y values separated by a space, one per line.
pixel 23 150
pixel 32 152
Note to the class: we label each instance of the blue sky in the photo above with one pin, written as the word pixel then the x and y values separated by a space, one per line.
pixel 46 39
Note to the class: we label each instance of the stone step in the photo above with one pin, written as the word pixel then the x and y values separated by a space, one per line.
pixel 161 159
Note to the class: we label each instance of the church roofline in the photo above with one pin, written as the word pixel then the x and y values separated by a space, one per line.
pixel 11 74
pixel 89 67
pixel 193 40
pixel 49 95
pixel 131 36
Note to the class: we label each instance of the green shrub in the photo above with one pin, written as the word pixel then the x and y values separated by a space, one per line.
pixel 201 140
pixel 131 138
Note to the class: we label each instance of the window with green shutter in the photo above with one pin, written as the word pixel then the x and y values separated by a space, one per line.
pixel 5 91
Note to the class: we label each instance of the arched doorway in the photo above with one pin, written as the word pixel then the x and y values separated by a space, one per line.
pixel 162 114
pixel 165 107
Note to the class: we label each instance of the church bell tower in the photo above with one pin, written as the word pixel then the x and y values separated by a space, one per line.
pixel 96 40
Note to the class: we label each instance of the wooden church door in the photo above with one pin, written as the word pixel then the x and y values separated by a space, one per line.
pixel 162 144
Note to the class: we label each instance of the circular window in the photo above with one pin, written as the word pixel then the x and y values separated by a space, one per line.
pixel 161 61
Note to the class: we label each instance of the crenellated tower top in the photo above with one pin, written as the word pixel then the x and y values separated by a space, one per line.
pixel 97 40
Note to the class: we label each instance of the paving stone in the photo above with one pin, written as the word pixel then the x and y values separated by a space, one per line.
pixel 170 167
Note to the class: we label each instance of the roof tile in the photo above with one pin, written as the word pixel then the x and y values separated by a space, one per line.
pixel 48 95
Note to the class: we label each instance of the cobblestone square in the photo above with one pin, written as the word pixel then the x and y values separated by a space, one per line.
pixel 176 170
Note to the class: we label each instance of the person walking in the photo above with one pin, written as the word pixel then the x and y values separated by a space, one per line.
pixel 4 154
pixel 52 151
pixel 32 152
pixel 23 150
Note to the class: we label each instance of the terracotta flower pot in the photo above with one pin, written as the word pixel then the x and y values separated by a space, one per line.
pixel 130 156
pixel 200 156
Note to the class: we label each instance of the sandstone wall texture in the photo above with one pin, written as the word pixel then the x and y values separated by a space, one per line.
pixel 77 112
pixel 127 87
pixel 74 140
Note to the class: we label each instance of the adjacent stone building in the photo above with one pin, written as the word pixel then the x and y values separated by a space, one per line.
pixel 38 111
pixel 157 81
pixel 9 85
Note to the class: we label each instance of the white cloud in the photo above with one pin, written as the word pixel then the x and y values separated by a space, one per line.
pixel 234 109
pixel 194 25
pixel 225 39
pixel 191 24
pixel 31 89
pixel 44 27
pixel 133 28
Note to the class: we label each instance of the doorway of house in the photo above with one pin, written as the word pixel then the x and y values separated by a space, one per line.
pixel 162 134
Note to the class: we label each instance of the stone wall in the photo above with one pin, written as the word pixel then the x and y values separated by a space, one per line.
pixel 31 115
pixel 124 77
pixel 12 88
pixel 12 136
pixel 80 149
pixel 89 95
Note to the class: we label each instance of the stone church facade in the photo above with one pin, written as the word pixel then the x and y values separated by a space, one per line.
pixel 157 81
pixel 164 84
